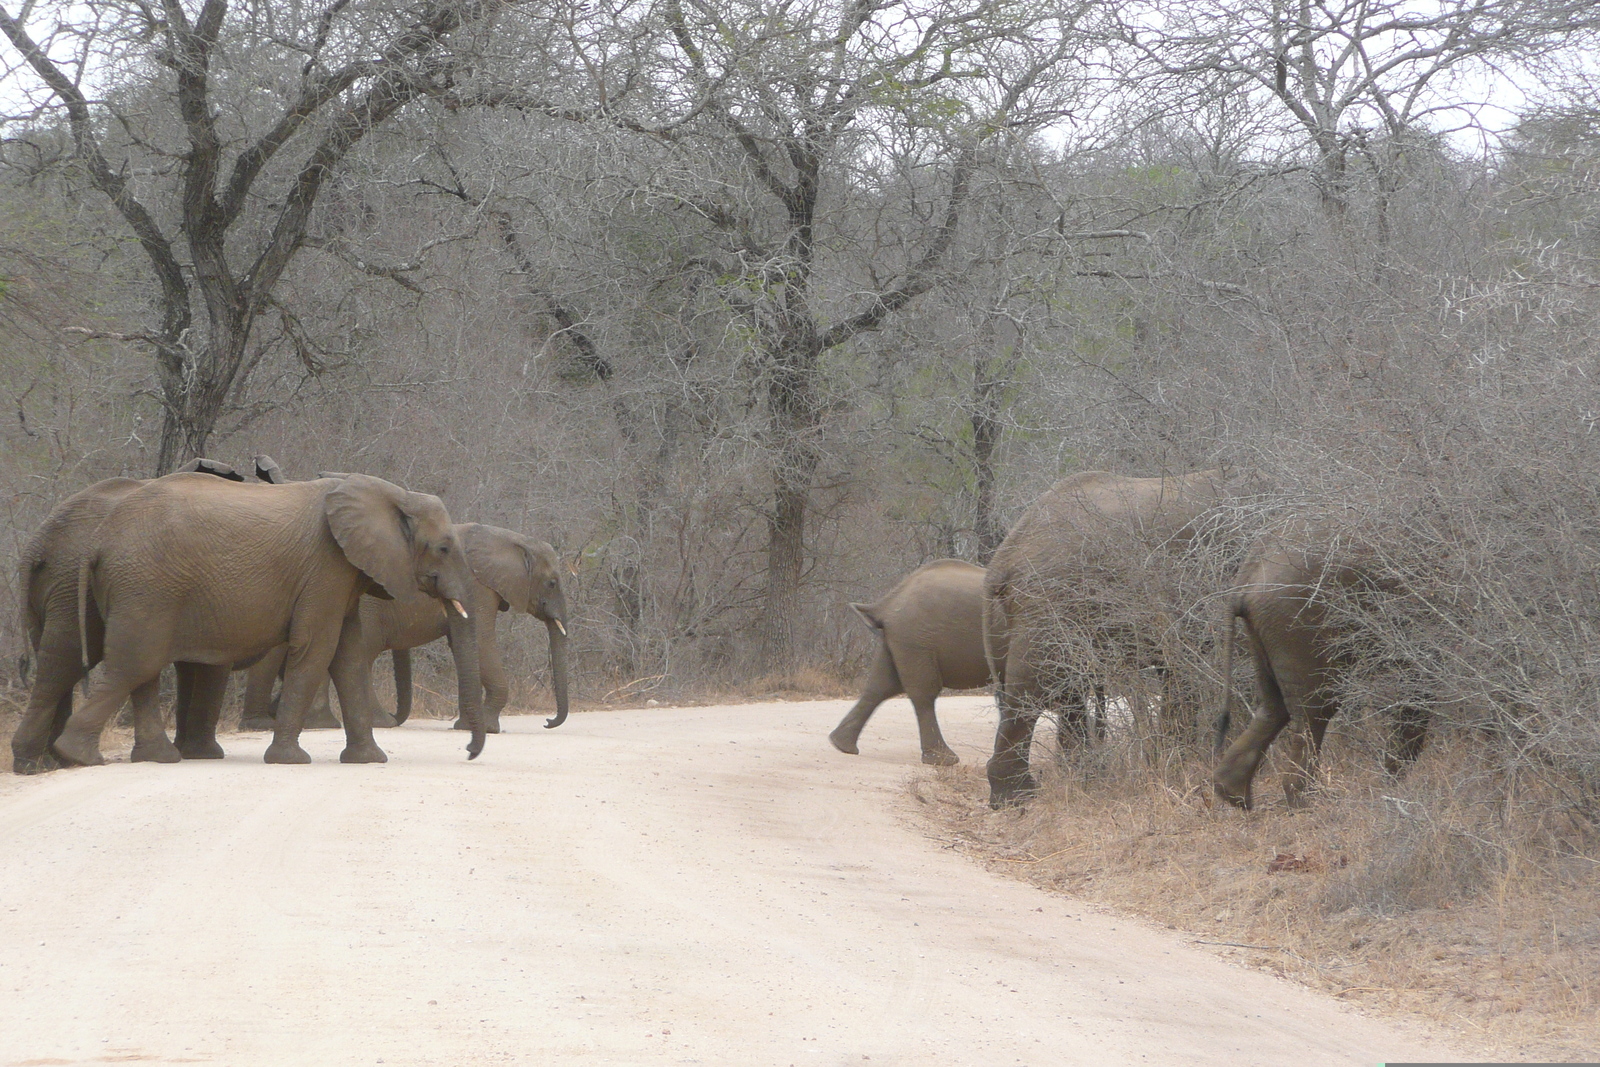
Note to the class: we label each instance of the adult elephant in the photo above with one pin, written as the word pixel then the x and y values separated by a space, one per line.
pixel 1065 602
pixel 188 569
pixel 1288 595
pixel 511 572
pixel 48 583
pixel 930 638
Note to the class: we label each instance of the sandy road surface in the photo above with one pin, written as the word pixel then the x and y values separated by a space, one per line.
pixel 698 885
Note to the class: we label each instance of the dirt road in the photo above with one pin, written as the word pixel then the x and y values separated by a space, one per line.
pixel 699 885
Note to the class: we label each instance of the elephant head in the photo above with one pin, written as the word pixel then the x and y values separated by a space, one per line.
pixel 400 540
pixel 525 574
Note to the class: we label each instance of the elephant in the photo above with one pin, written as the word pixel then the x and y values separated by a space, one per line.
pixel 48 580
pixel 189 569
pixel 930 638
pixel 1281 595
pixel 512 572
pixel 1064 589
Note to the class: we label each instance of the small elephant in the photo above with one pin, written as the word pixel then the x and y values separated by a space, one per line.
pixel 1064 584
pixel 49 586
pixel 189 569
pixel 1281 596
pixel 930 638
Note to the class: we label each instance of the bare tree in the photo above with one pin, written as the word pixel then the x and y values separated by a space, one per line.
pixel 1360 79
pixel 212 135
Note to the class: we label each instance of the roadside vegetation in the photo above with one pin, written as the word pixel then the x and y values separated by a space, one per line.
pixel 749 310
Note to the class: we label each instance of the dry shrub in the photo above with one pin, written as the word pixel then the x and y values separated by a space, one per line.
pixel 1431 895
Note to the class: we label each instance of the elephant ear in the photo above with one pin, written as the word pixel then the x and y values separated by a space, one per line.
pixel 500 561
pixel 371 520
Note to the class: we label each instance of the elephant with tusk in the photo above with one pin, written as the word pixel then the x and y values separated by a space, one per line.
pixel 188 568
pixel 511 572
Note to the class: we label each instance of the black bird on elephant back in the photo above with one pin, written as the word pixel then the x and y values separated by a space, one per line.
pixel 930 638
pixel 1079 595
pixel 1299 596
pixel 510 572
pixel 192 569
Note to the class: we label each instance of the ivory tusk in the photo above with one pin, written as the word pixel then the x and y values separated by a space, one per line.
pixel 457 605
pixel 562 628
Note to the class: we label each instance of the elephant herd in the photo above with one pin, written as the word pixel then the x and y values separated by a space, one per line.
pixel 312 580
pixel 211 573
pixel 1047 624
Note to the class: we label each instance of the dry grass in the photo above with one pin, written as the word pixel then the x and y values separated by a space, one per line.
pixel 1425 895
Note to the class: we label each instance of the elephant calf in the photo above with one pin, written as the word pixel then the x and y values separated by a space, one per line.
pixel 1281 596
pixel 930 638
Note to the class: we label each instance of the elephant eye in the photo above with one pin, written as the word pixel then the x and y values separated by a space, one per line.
pixel 444 550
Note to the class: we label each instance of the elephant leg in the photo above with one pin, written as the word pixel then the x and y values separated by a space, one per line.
pixel 304 671
pixel 883 682
pixel 79 743
pixel 1304 744
pixel 935 752
pixel 201 689
pixel 259 680
pixel 1010 781
pixel 57 669
pixel 1074 729
pixel 150 741
pixel 496 687
pixel 1237 770
pixel 351 673
pixel 1406 736
pixel 320 715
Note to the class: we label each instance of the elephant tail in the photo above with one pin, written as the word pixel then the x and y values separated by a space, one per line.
pixel 1236 609
pixel 83 617
pixel 868 613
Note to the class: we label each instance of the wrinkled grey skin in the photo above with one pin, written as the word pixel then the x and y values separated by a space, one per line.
pixel 1279 597
pixel 930 638
pixel 48 582
pixel 1086 527
pixel 260 707
pixel 189 569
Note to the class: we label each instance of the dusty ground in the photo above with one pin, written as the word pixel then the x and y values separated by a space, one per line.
pixel 676 885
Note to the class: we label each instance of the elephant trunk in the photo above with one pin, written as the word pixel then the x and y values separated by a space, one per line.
pixel 558 671
pixel 402 685
pixel 469 682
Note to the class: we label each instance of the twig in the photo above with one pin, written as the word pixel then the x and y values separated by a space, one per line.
pixel 1040 859
pixel 1240 944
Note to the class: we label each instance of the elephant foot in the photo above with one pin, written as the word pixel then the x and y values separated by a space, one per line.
pixel 200 750
pixel 1012 792
pixel 34 763
pixel 75 751
pixel 365 752
pixel 940 757
pixel 257 724
pixel 286 752
pixel 847 744
pixel 1239 798
pixel 161 751
pixel 491 724
pixel 382 720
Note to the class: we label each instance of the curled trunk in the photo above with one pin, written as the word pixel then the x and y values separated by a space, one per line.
pixel 558 673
